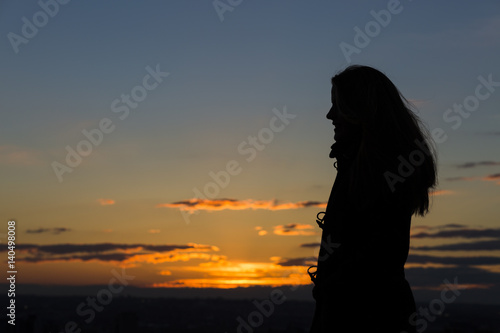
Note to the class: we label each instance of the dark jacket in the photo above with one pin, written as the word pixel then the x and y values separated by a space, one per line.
pixel 360 284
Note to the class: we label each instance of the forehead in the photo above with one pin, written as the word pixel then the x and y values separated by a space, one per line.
pixel 333 93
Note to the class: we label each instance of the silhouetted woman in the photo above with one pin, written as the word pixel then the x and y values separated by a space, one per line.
pixel 385 169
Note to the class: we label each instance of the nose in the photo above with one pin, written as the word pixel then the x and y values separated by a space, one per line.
pixel 332 114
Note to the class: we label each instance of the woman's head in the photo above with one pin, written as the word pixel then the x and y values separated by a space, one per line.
pixel 367 107
pixel 365 98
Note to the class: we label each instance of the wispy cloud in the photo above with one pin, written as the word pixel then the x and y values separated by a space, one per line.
pixel 463 233
pixel 468 165
pixel 310 244
pixel 486 245
pixel 453 179
pixel 55 231
pixel 453 230
pixel 459 261
pixel 19 156
pixel 423 228
pixel 494 177
pixel 418 103
pixel 294 229
pixel 304 261
pixel 104 247
pixel 106 202
pixel 442 192
pixel 449 226
pixel 72 258
pixel 192 205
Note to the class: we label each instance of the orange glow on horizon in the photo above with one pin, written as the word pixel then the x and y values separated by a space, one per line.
pixel 230 284
pixel 225 274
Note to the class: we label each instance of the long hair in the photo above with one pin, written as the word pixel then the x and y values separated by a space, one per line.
pixel 390 133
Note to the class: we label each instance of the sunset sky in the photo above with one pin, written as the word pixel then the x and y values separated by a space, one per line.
pixel 186 141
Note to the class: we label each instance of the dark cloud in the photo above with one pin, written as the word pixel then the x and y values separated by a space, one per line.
pixel 460 261
pixel 294 229
pixel 310 245
pixel 55 231
pixel 476 164
pixel 442 226
pixel 35 253
pixel 168 248
pixel 431 277
pixel 492 177
pixel 305 261
pixel 463 273
pixel 463 233
pixel 311 204
pixel 101 247
pixel 100 257
pixel 452 179
pixel 450 225
pixel 490 245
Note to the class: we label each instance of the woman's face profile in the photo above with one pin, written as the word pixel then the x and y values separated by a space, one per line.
pixel 344 129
